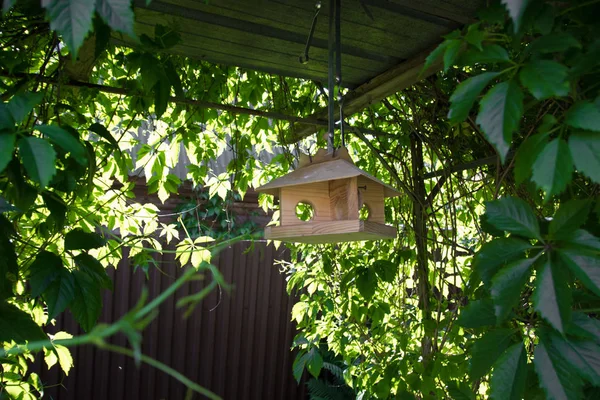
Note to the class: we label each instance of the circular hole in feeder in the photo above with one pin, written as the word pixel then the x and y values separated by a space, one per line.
pixel 363 213
pixel 305 211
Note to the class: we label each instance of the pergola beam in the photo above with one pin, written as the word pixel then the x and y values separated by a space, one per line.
pixel 393 80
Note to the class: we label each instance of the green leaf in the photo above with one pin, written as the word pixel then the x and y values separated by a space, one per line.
pixel 499 115
pixel 545 79
pixel 553 168
pixel 435 55
pixel 22 104
pixel 17 325
pixel 385 270
pixel 555 42
pixel 516 10
pixel 7 145
pixel 569 217
pixel 585 266
pixel 584 115
pixel 65 140
pixel 486 351
pixel 88 301
pixel 314 362
pixel 475 36
pixel 460 391
pixel 117 14
pixel 43 271
pixel 583 239
pixel 489 54
pixel 72 19
pixel 510 374
pixel 101 131
pixel 584 326
pixel 493 255
pixel 60 293
pixel 557 379
pixel 38 158
pixel 366 282
pixel 552 296
pixel 57 208
pixel 527 154
pixel 507 285
pixel 585 149
pixel 582 355
pixel 92 267
pixel 477 313
pixel 465 95
pixel 161 96
pixel 513 215
pixel 78 239
pixel 451 53
pixel 299 364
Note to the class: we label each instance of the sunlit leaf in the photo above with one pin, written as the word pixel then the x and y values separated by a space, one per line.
pixel 17 325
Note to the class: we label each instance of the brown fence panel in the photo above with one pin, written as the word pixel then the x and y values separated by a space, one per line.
pixel 236 344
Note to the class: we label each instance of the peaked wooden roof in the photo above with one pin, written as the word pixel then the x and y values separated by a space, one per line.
pixel 322 172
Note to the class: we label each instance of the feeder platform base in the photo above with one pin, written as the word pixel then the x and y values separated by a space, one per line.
pixel 330 232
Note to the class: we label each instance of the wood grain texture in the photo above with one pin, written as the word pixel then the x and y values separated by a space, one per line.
pixel 331 232
pixel 372 196
pixel 316 194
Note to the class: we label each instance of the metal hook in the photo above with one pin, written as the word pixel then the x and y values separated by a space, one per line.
pixel 303 58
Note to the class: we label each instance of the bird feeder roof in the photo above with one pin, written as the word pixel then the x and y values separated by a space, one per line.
pixel 322 172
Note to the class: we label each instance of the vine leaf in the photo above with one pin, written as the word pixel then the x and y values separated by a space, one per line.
pixel 493 255
pixel 385 270
pixel 557 378
pixel 314 362
pixel 510 374
pixel 7 146
pixel 88 301
pixel 513 215
pixel 38 158
pixel 569 217
pixel 78 239
pixel 477 313
pixel 43 271
pixel 366 282
pixel 60 293
pixel 489 54
pixel 7 5
pixel 584 115
pixel 22 104
pixel 117 14
pixel 9 268
pixel 585 149
pixel 552 296
pixel 72 19
pixel 487 350
pixel 527 154
pixel 582 355
pixel 66 141
pixel 553 43
pixel 545 79
pixel 94 269
pixel 516 10
pixel 499 115
pixel 451 53
pixel 585 266
pixel 507 285
pixel 435 55
pixel 582 238
pixel 585 327
pixel 17 325
pixel 553 168
pixel 465 94
pixel 101 131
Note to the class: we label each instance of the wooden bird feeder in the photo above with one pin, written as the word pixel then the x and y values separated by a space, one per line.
pixel 337 191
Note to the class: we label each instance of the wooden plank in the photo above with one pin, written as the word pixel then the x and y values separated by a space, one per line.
pixel 331 232
pixel 371 195
pixel 392 81
pixel 437 12
pixel 315 194
pixel 270 19
pixel 343 199
pixel 236 48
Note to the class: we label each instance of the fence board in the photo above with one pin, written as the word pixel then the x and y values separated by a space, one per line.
pixel 235 344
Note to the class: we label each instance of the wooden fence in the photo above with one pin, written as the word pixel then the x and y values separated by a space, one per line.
pixel 236 344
